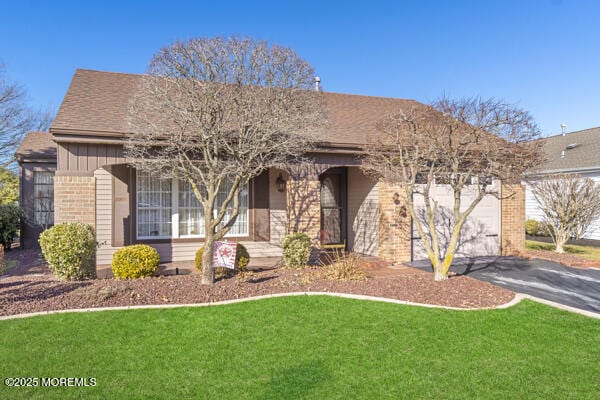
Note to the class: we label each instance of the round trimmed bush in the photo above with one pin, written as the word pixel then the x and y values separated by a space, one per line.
pixel 135 261
pixel 532 227
pixel 242 259
pixel 69 248
pixel 296 249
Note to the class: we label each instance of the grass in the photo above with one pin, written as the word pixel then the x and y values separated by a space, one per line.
pixel 307 348
pixel 587 252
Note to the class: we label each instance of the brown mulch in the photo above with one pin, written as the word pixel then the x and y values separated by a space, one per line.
pixel 26 292
pixel 570 260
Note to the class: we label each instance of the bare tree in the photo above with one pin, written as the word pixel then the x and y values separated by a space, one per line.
pixel 464 144
pixel 569 202
pixel 217 112
pixel 17 118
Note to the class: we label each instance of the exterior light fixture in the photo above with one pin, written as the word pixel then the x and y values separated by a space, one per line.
pixel 280 183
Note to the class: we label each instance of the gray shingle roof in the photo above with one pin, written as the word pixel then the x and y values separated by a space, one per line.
pixel 96 103
pixel 37 145
pixel 584 154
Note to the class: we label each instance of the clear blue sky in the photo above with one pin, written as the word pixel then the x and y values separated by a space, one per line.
pixel 543 55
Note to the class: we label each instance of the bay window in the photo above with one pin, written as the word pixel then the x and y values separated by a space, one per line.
pixel 168 208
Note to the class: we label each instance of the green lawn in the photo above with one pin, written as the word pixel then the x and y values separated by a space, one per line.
pixel 587 252
pixel 308 347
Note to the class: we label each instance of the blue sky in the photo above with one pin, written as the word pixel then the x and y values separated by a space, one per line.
pixel 543 55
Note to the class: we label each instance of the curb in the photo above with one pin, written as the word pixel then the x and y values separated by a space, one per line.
pixel 563 307
pixel 516 300
pixel 511 303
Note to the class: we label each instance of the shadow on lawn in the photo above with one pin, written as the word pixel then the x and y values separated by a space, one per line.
pixel 296 382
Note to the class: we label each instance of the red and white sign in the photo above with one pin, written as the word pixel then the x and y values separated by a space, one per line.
pixel 224 254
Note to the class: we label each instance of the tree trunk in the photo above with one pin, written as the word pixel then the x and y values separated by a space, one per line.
pixel 208 272
pixel 560 246
pixel 439 274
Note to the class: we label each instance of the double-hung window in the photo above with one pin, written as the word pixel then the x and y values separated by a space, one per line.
pixel 168 208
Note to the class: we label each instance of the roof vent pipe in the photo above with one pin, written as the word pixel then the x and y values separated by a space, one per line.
pixel 317 84
pixel 563 128
pixel 562 154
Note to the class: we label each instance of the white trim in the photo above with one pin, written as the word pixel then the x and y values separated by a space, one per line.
pixel 175 215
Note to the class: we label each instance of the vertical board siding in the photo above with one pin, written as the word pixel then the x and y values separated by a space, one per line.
pixel 363 213
pixel 88 157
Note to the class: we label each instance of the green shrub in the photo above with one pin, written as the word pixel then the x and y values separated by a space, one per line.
pixel 532 227
pixel 296 249
pixel 136 261
pixel 69 249
pixel 242 259
pixel 10 222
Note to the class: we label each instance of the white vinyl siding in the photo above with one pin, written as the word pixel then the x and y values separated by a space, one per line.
pixel 533 211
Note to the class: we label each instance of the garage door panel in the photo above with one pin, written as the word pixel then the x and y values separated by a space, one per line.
pixel 480 235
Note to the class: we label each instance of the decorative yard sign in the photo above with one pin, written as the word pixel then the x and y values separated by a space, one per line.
pixel 224 254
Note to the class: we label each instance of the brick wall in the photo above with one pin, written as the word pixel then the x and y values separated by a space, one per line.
pixel 75 199
pixel 513 219
pixel 394 224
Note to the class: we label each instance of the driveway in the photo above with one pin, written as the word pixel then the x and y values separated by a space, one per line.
pixel 579 288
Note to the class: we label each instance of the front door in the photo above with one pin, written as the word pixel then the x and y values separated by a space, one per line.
pixel 333 206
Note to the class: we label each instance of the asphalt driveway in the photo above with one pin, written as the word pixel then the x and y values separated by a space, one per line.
pixel 579 288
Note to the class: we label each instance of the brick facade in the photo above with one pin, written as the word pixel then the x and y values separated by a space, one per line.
pixel 513 219
pixel 394 224
pixel 75 199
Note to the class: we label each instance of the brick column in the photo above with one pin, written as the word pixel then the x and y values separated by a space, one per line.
pixel 75 199
pixel 513 219
pixel 394 223
pixel 303 197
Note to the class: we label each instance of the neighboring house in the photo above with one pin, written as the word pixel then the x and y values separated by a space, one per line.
pixel 574 153
pixel 36 156
pixel 334 202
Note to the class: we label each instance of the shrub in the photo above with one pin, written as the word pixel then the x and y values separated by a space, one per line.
pixel 10 222
pixel 296 249
pixel 344 267
pixel 135 261
pixel 532 227
pixel 242 259
pixel 69 249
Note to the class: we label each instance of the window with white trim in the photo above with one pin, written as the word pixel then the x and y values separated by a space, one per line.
pixel 153 207
pixel 43 198
pixel 169 209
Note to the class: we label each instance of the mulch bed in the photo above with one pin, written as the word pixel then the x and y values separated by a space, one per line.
pixel 33 288
pixel 570 260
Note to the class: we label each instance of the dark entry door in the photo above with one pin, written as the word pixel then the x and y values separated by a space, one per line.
pixel 333 206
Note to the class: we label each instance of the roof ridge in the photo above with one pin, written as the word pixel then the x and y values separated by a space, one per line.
pixel 570 133
pixel 325 92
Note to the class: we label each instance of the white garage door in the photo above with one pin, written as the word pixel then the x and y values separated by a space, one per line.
pixel 480 235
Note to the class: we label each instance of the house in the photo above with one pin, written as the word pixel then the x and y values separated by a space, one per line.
pixel 334 202
pixel 572 153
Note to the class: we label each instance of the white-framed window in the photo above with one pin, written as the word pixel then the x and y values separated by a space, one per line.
pixel 154 207
pixel 169 209
pixel 43 198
